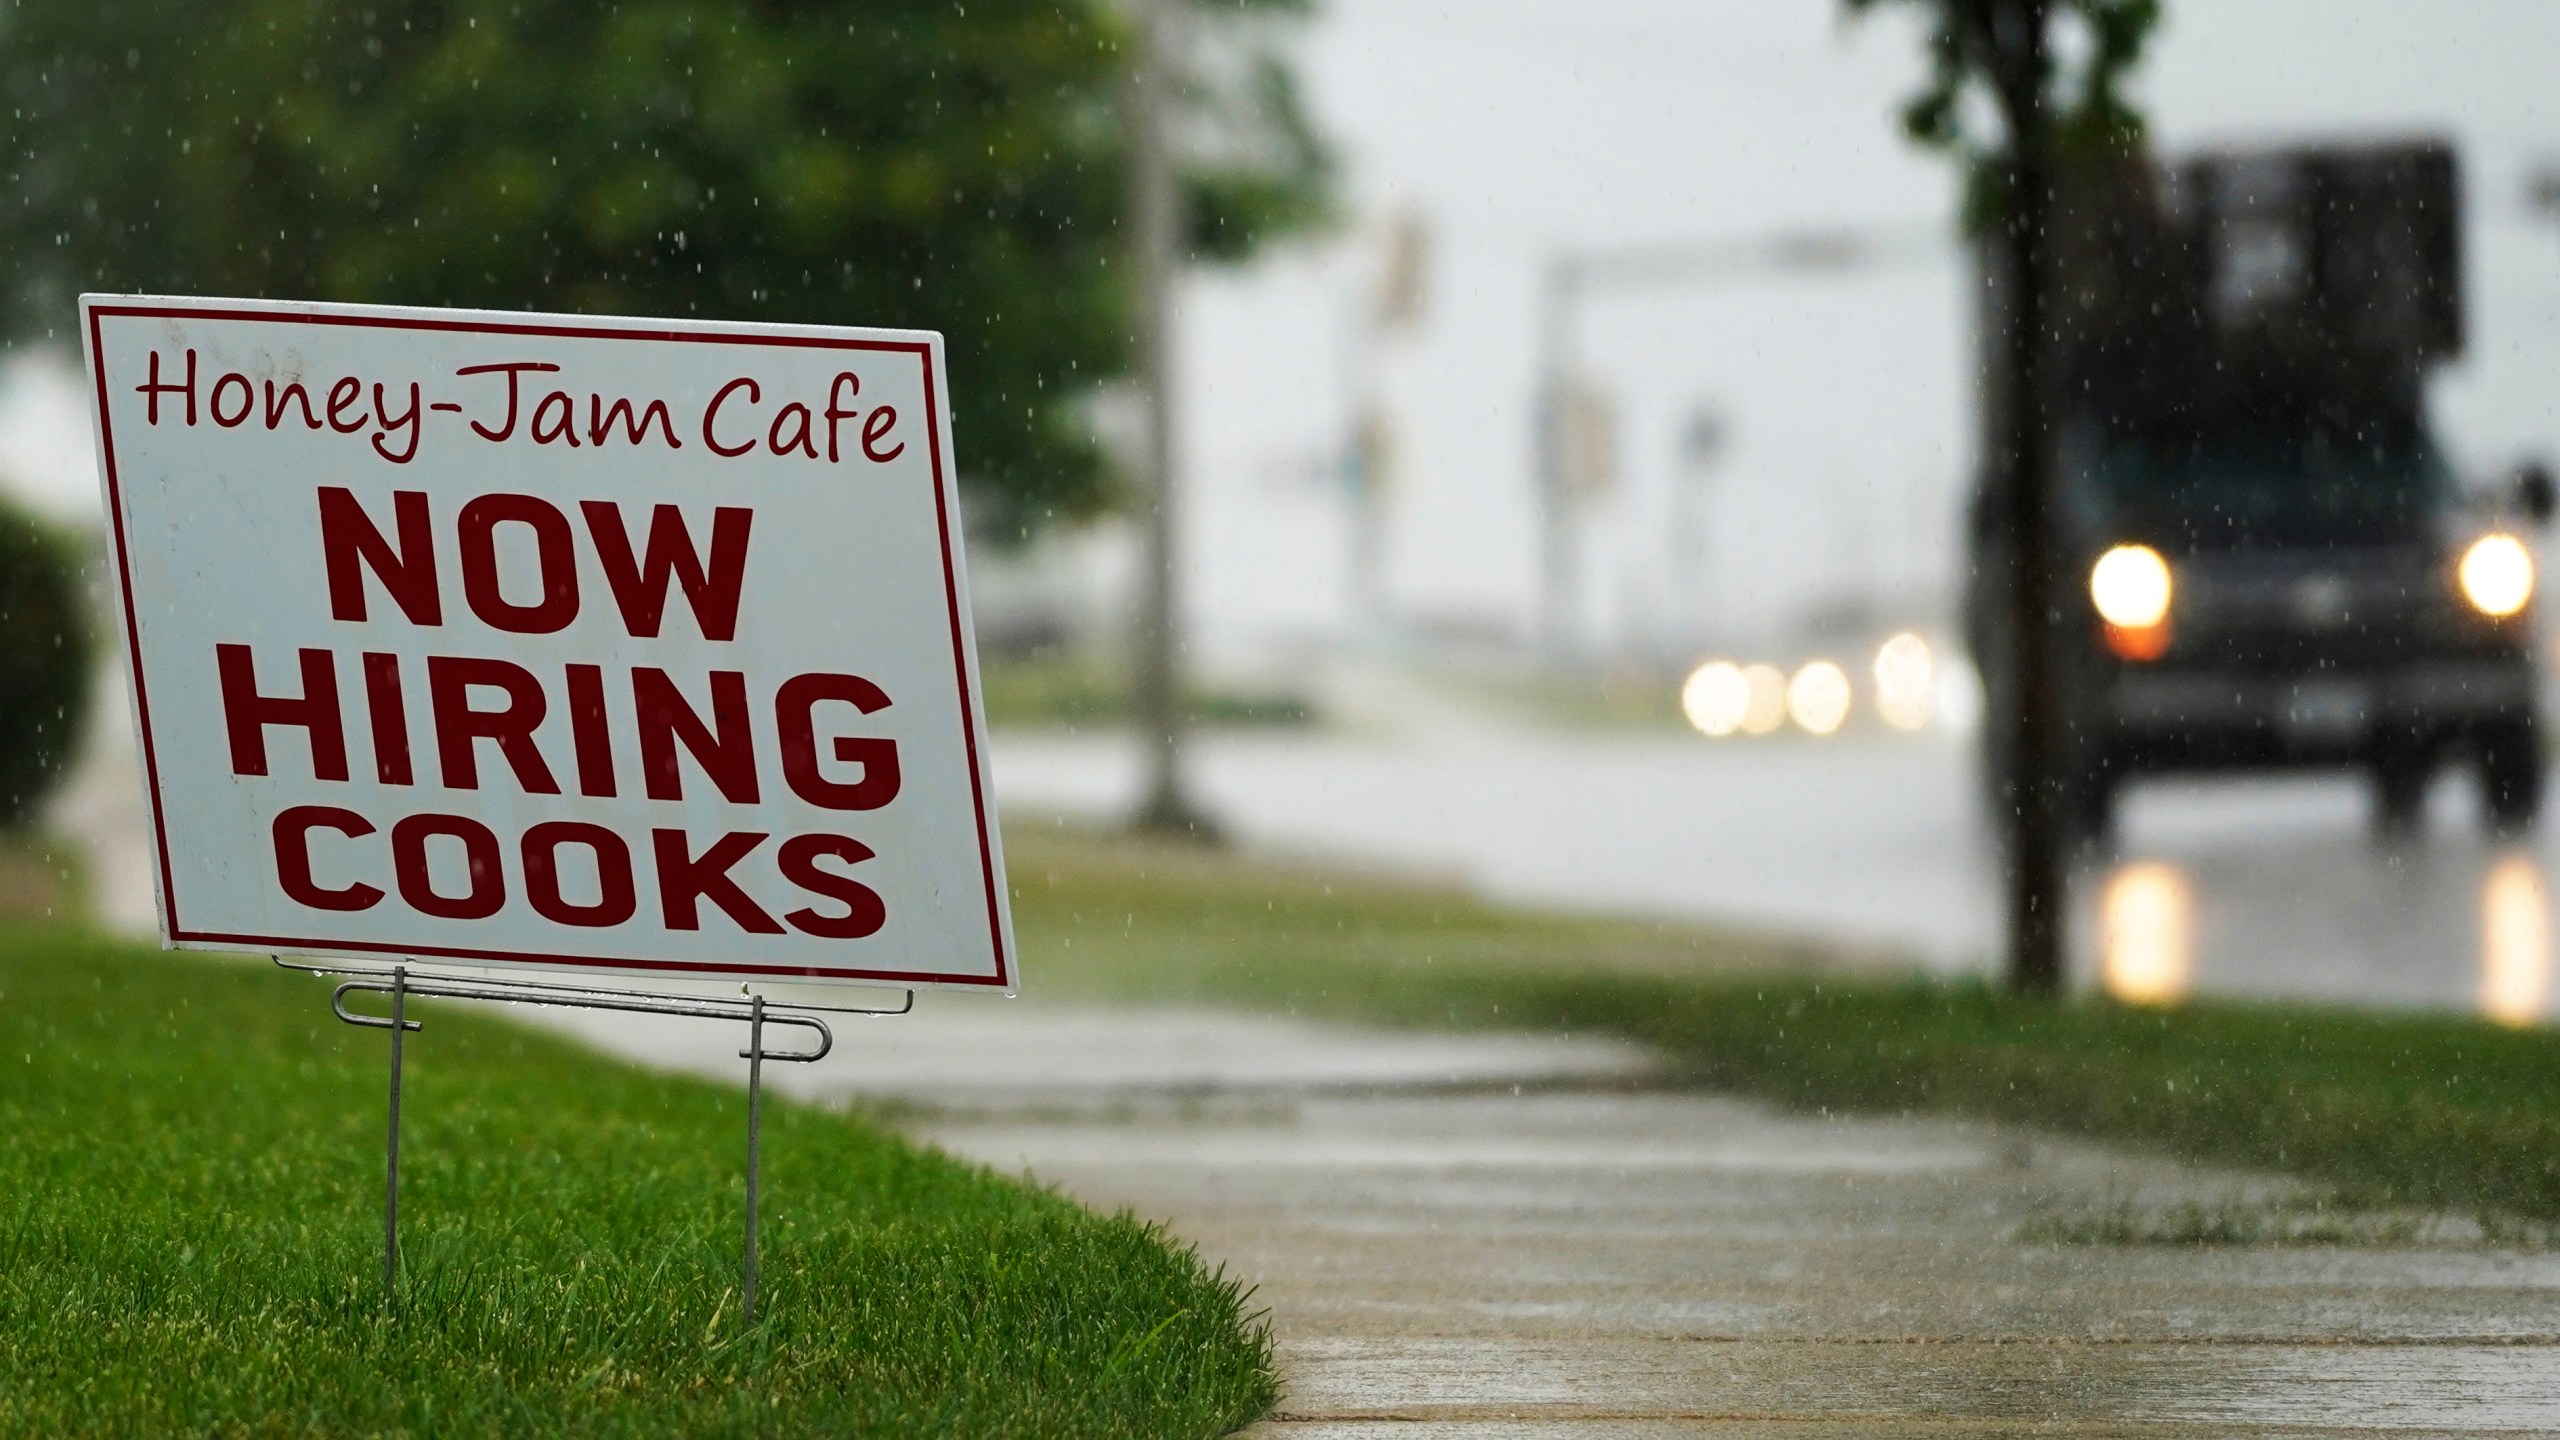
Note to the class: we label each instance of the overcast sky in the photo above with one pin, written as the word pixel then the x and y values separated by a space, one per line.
pixel 1521 126
pixel 1518 127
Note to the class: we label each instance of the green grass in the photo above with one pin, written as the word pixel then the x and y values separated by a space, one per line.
pixel 2298 1219
pixel 1074 690
pixel 1629 696
pixel 190 1191
pixel 2429 1110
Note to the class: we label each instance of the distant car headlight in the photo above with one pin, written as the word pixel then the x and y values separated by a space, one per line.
pixel 1818 697
pixel 2130 585
pixel 2497 575
pixel 1716 698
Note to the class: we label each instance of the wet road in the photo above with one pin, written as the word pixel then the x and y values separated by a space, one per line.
pixel 2252 886
pixel 2255 887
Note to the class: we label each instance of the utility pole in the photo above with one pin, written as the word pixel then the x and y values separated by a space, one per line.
pixel 1569 409
pixel 1691 585
pixel 1560 295
pixel 2542 192
pixel 1155 209
pixel 1389 305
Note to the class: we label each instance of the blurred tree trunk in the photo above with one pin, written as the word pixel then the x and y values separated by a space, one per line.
pixel 2011 38
pixel 1156 230
pixel 2005 47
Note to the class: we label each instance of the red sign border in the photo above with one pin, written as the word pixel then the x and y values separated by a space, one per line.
pixel 554 327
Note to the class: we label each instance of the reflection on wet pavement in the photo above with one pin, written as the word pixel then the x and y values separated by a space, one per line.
pixel 2290 897
pixel 2147 933
pixel 2515 942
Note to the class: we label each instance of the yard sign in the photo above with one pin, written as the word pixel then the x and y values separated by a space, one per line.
pixel 624 647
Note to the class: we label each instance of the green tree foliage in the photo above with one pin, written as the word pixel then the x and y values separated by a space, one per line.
pixel 952 166
pixel 2082 100
pixel 45 660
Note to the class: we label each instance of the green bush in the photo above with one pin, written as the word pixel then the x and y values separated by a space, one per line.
pixel 46 649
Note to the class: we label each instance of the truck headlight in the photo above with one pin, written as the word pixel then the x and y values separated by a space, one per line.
pixel 2130 585
pixel 2497 575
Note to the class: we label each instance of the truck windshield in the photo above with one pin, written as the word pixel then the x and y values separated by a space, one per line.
pixel 2265 489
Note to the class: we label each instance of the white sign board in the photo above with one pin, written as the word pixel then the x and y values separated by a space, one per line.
pixel 629 647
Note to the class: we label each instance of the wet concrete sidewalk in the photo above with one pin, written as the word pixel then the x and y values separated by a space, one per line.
pixel 1601 1263
pixel 1482 1236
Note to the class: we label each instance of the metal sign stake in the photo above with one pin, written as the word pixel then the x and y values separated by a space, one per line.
pixel 391 1175
pixel 400 985
pixel 755 1110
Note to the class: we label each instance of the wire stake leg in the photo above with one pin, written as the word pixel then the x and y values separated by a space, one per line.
pixel 399 986
pixel 391 1177
pixel 755 1115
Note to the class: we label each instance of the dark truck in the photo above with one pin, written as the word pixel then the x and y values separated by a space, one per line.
pixel 2265 560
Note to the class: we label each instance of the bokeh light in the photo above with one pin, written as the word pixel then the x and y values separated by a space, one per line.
pixel 1818 697
pixel 1960 699
pixel 2146 922
pixel 1906 682
pixel 2497 574
pixel 2130 587
pixel 1716 697
pixel 2515 942
pixel 1766 707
